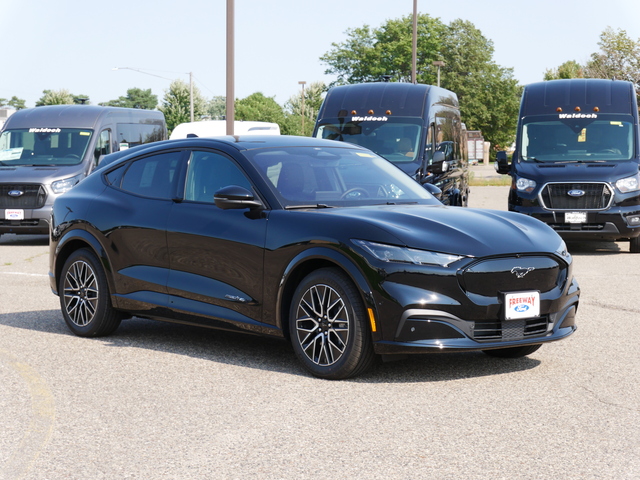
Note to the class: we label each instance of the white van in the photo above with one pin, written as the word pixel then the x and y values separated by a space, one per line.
pixel 216 128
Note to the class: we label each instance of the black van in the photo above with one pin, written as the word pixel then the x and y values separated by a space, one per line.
pixel 416 127
pixel 44 151
pixel 575 165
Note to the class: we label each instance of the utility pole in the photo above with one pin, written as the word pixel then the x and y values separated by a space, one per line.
pixel 230 68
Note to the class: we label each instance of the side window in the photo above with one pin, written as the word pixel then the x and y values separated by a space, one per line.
pixel 431 135
pixel 208 172
pixel 154 176
pixel 103 145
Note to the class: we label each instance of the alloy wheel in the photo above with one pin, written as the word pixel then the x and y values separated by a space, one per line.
pixel 322 325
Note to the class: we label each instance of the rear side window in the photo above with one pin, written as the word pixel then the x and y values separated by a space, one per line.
pixel 154 176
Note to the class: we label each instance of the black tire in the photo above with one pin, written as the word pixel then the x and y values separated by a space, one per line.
pixel 84 296
pixel 513 352
pixel 328 326
pixel 634 245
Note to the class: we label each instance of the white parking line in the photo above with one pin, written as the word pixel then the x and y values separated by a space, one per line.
pixel 26 274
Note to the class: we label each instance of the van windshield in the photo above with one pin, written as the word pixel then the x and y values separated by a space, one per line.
pixel 575 137
pixel 44 146
pixel 396 139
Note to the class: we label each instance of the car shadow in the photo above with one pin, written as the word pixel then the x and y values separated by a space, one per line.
pixel 269 354
pixel 597 248
pixel 24 240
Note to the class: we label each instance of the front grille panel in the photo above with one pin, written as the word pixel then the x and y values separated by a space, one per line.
pixel 510 329
pixel 489 277
pixel 34 196
pixel 555 196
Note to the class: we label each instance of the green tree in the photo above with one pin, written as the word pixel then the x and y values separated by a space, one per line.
pixel 135 98
pixel 488 94
pixel 368 53
pixel 312 102
pixel 569 69
pixel 258 108
pixel 217 108
pixel 15 102
pixel 176 104
pixel 619 58
pixel 55 97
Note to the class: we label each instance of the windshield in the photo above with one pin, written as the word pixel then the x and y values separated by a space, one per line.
pixel 578 137
pixel 44 146
pixel 396 139
pixel 335 176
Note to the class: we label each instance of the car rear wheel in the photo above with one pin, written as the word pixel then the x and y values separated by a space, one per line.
pixel 84 296
pixel 513 352
pixel 328 326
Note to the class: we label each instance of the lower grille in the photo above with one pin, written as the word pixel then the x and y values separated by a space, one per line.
pixel 511 329
pixel 572 227
pixel 596 196
pixel 33 196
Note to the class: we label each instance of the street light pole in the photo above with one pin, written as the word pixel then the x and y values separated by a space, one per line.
pixel 230 67
pixel 414 48
pixel 438 63
pixel 303 83
pixel 159 76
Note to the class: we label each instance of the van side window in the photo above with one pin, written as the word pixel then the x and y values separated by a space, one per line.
pixel 209 172
pixel 103 146
pixel 132 134
pixel 153 176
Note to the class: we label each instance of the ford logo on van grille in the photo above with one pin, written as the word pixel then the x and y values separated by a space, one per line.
pixel 576 193
pixel 15 193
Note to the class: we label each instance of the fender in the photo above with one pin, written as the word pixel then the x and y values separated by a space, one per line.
pixel 341 259
pixel 70 242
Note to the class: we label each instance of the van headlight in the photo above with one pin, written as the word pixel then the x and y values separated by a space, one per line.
pixel 629 184
pixel 64 185
pixel 525 185
pixel 393 253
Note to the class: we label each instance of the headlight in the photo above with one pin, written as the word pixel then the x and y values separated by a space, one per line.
pixel 392 253
pixel 65 185
pixel 525 185
pixel 629 184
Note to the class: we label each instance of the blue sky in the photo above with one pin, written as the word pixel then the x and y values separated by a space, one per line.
pixel 76 44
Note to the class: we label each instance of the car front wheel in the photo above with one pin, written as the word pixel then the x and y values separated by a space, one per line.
pixel 84 296
pixel 328 326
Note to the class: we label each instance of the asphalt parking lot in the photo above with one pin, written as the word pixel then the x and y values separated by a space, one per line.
pixel 164 401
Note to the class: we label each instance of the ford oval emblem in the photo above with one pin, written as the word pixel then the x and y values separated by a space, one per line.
pixel 15 193
pixel 575 193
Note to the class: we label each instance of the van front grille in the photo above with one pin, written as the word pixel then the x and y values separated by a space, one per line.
pixel 594 196
pixel 31 196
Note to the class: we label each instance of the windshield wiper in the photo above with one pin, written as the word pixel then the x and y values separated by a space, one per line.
pixel 316 205
pixel 533 159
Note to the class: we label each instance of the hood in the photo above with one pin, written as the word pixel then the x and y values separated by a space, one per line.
pixel 457 230
pixel 577 172
pixel 44 175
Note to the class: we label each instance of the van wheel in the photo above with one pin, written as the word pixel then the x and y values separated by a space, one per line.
pixel 328 326
pixel 634 245
pixel 84 296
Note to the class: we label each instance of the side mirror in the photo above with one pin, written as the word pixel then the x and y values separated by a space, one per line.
pixel 235 197
pixel 433 190
pixel 502 163
pixel 438 165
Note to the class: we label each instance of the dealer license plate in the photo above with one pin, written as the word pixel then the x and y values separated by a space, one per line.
pixel 14 214
pixel 522 305
pixel 575 217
